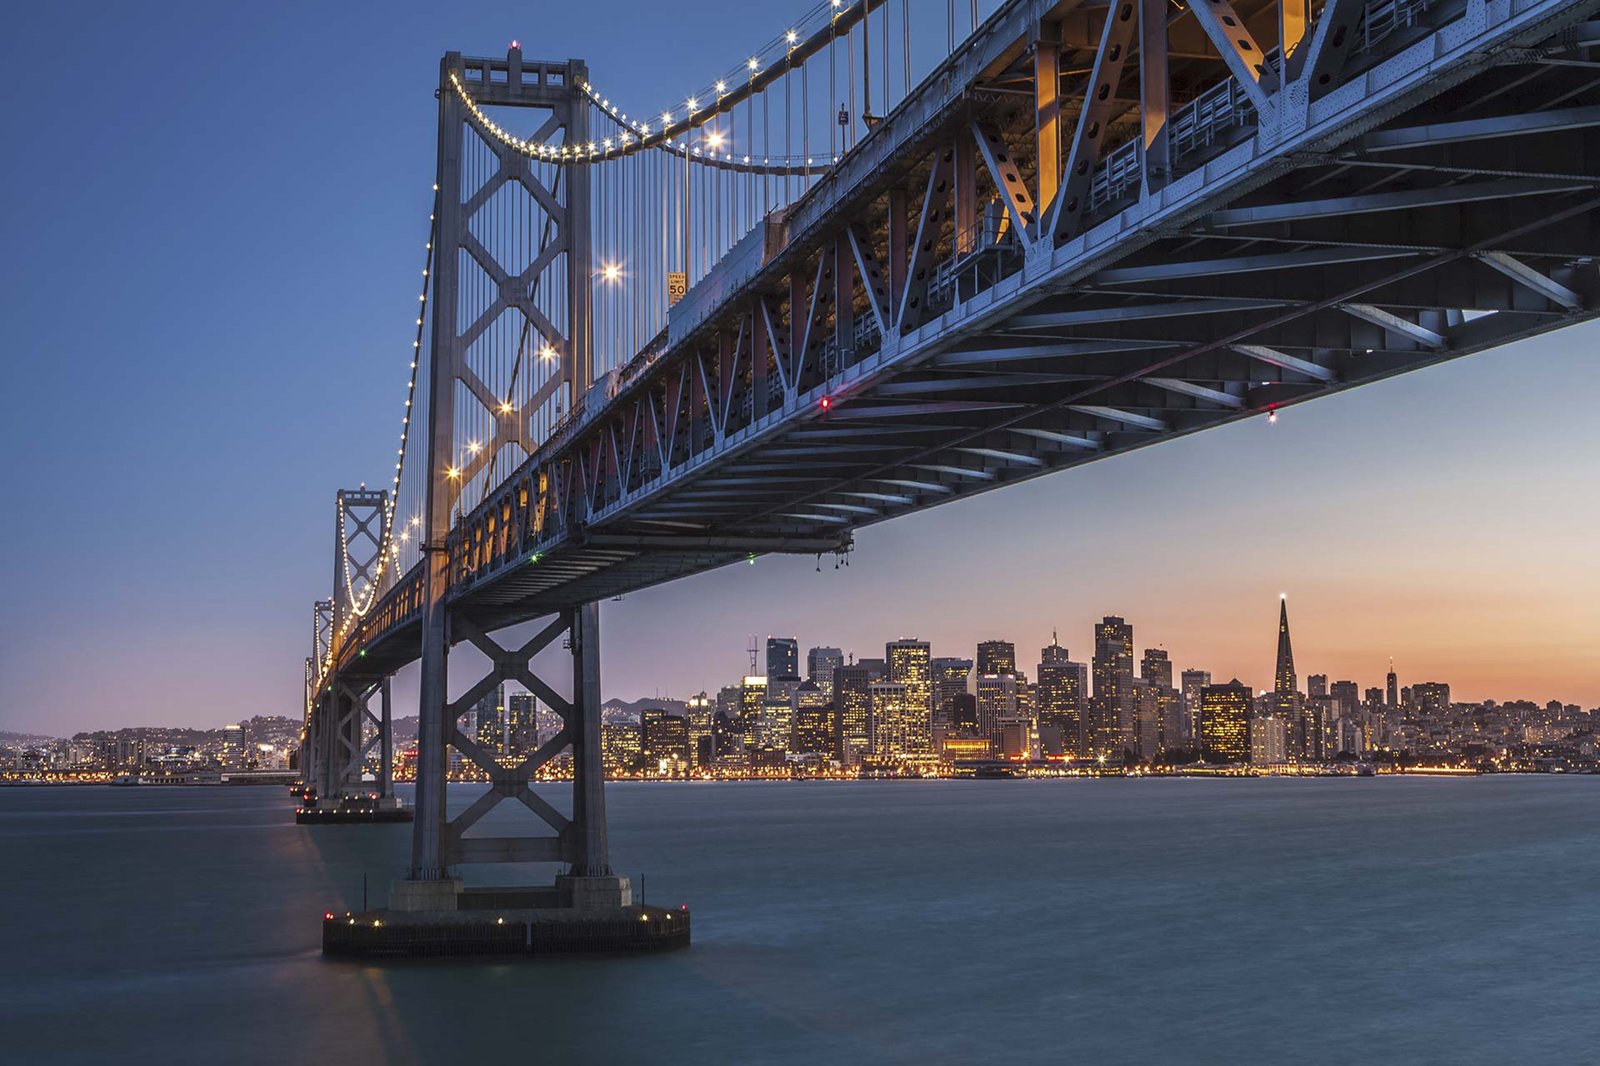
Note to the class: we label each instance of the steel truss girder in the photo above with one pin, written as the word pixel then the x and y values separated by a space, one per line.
pixel 1257 332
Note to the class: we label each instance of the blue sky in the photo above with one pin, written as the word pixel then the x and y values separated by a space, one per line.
pixel 214 216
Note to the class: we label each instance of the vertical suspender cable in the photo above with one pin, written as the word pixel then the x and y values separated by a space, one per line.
pixel 905 44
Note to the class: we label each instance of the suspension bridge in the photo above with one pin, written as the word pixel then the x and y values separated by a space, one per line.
pixel 828 289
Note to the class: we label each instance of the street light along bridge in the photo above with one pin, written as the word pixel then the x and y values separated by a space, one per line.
pixel 649 345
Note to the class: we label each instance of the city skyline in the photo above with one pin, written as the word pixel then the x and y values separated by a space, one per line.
pixel 1432 517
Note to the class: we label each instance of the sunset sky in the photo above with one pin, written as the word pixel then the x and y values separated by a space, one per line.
pixel 214 215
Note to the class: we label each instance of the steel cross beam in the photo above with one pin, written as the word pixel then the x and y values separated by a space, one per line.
pixel 347 741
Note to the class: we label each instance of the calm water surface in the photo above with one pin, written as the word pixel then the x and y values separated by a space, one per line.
pixel 1449 921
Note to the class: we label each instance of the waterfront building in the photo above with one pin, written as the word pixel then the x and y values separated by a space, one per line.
pixel 664 741
pixel 621 747
pixel 1111 708
pixel 952 748
pixel 1225 713
pixel 821 664
pixel 1267 742
pixel 233 746
pixel 1018 740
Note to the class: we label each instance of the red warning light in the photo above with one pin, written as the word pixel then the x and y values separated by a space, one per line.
pixel 825 403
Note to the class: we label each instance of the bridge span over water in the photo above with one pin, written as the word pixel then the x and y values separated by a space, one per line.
pixel 655 344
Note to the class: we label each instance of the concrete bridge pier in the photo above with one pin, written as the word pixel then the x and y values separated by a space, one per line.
pixel 338 735
pixel 588 907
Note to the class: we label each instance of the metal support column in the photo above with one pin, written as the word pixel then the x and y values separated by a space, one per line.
pixel 966 193
pixel 386 743
pixel 592 859
pixel 445 356
pixel 1047 109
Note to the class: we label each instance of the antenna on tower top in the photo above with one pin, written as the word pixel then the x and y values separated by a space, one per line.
pixel 755 650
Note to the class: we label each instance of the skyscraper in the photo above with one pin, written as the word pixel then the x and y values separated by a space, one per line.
pixel 701 709
pixel 1060 700
pixel 777 714
pixel 1053 652
pixel 233 746
pixel 1194 681
pixel 1317 685
pixel 820 666
pixel 522 724
pixel 1146 735
pixel 783 658
pixel 1225 712
pixel 997 704
pixel 910 664
pixel 816 729
pixel 1432 699
pixel 1348 695
pixel 752 699
pixel 1156 667
pixel 852 698
pixel 664 741
pixel 1394 687
pixel 949 685
pixel 1305 732
pixel 1111 717
pixel 1267 742
pixel 895 727
pixel 488 720
pixel 997 657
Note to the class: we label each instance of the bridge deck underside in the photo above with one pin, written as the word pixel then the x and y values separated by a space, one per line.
pixel 1458 213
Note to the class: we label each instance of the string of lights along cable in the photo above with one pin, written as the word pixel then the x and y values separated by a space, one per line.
pixel 672 188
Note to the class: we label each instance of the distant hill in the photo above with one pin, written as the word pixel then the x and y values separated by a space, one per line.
pixel 22 740
pixel 628 711
pixel 405 728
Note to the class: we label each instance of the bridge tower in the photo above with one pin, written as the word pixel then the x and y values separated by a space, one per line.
pixel 342 728
pixel 311 733
pixel 481 279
